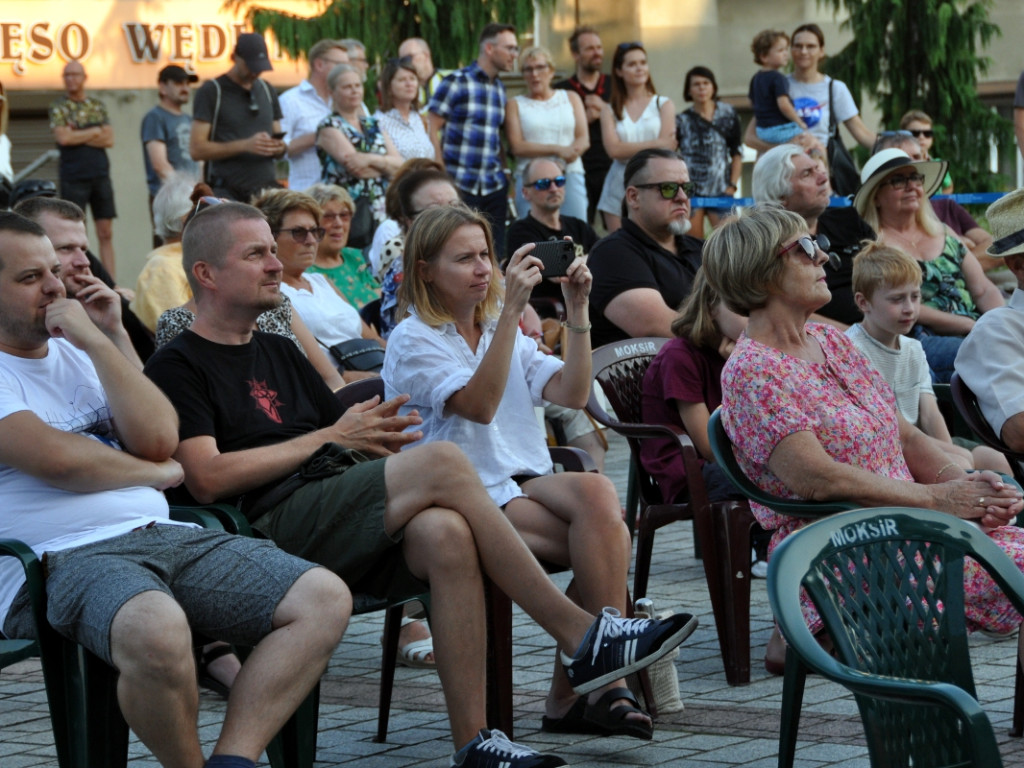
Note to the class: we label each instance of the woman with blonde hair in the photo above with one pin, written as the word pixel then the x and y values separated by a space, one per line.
pixel 475 380
pixel 548 122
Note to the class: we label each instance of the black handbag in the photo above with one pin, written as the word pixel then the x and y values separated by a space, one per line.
pixel 358 355
pixel 843 171
pixel 360 233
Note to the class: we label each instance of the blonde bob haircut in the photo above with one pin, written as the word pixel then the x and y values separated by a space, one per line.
pixel 427 237
pixel 538 52
pixel 275 203
pixel 741 257
pixel 695 321
pixel 877 266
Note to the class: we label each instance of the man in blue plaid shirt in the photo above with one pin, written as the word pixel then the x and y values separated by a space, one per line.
pixel 466 113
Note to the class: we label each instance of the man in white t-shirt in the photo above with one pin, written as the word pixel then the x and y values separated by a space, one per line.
pixel 85 451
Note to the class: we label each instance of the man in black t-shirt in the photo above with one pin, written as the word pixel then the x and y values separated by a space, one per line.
pixel 234 122
pixel 544 220
pixel 252 411
pixel 595 88
pixel 786 175
pixel 643 271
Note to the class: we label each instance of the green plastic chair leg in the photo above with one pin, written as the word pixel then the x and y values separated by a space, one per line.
pixel 792 700
pixel 296 740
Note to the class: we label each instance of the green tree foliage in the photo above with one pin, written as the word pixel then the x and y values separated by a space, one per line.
pixel 924 54
pixel 450 27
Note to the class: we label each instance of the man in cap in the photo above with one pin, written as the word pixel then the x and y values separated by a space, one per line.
pixel 235 122
pixel 166 129
pixel 81 126
pixel 989 357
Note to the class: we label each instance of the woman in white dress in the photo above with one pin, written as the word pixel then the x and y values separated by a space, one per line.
pixel 636 118
pixel 545 122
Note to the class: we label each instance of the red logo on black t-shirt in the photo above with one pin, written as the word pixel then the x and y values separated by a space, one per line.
pixel 266 399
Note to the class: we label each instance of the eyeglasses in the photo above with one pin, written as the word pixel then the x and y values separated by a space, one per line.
pixel 811 244
pixel 205 202
pixel 254 106
pixel 925 132
pixel 301 234
pixel 669 189
pixel 538 68
pixel 542 184
pixel 901 181
pixel 346 216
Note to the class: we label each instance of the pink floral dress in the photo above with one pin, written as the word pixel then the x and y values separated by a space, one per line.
pixel 768 395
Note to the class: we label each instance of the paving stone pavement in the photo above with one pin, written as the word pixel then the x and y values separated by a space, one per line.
pixel 720 727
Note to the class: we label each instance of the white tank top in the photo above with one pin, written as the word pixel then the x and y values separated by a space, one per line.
pixel 551 121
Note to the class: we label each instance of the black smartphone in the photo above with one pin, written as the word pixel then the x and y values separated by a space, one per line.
pixel 278 135
pixel 555 255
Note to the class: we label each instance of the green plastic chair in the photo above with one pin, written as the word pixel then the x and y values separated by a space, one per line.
pixel 888 584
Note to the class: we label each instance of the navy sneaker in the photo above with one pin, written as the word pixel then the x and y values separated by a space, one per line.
pixel 614 647
pixel 492 749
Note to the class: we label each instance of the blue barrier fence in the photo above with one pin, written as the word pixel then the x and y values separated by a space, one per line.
pixel 964 198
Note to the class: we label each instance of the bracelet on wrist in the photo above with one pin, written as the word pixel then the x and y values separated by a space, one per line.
pixel 938 474
pixel 577 328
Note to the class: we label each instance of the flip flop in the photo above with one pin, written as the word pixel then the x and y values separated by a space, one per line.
pixel 416 653
pixel 612 721
pixel 571 722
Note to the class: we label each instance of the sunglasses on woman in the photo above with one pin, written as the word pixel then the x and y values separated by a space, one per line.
pixel 300 234
pixel 901 181
pixel 542 184
pixel 669 189
pixel 810 245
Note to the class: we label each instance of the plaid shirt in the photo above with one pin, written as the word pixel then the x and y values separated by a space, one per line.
pixel 473 107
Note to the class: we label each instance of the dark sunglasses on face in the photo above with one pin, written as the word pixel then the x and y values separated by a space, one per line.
pixel 669 189
pixel 901 181
pixel 300 234
pixel 926 132
pixel 542 184
pixel 810 245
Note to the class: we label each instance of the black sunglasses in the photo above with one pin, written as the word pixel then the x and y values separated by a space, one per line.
pixel 542 184
pixel 300 234
pixel 669 189
pixel 926 132
pixel 810 245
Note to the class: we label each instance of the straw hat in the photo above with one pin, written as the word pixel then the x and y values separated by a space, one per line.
pixel 1006 222
pixel 881 164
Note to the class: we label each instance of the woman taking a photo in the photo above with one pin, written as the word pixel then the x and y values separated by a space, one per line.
pixel 545 122
pixel 709 141
pixel 810 418
pixel 475 379
pixel 636 118
pixel 355 152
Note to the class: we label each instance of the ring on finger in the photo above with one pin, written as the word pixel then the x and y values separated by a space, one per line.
pixel 981 501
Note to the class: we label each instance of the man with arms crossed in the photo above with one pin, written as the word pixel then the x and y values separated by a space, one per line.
pixel 252 412
pixel 85 447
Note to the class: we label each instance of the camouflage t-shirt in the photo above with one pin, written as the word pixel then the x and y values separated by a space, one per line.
pixel 81 161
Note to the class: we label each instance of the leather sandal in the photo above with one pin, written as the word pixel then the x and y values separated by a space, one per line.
pixel 613 720
pixel 203 660
pixel 416 653
pixel 572 721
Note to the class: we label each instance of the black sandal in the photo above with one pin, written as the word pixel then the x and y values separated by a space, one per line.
pixel 571 722
pixel 203 660
pixel 612 721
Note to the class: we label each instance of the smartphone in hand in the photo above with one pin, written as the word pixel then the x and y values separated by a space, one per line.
pixel 555 255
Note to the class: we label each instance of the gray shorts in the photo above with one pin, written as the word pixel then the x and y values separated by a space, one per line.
pixel 228 586
pixel 338 522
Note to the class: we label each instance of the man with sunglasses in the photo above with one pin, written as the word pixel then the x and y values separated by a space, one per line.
pixel 544 190
pixel 643 271
pixel 234 122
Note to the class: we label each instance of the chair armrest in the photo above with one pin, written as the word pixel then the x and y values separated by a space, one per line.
pixel 572 459
pixel 33 575
pixel 220 517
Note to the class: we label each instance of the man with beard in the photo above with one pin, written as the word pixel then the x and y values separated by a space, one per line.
pixel 594 87
pixel 643 271
pixel 64 224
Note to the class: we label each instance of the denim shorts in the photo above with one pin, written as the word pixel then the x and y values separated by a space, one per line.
pixel 228 586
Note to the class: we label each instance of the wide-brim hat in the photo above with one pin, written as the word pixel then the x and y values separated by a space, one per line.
pixel 881 164
pixel 1006 223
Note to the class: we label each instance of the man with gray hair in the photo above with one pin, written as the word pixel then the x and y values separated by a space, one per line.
pixel 465 117
pixel 356 54
pixel 303 108
pixel 643 271
pixel 787 176
pixel 418 52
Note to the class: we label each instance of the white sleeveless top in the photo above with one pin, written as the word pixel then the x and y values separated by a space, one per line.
pixel 551 121
pixel 331 319
pixel 646 128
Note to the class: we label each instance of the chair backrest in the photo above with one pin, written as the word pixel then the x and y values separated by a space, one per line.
pixel 967 404
pixel 889 587
pixel 360 391
pixel 725 457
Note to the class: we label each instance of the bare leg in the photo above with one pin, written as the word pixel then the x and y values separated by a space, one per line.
pixel 151 647
pixel 414 631
pixel 591 443
pixel 105 236
pixel 439 548
pixel 440 475
pixel 284 667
